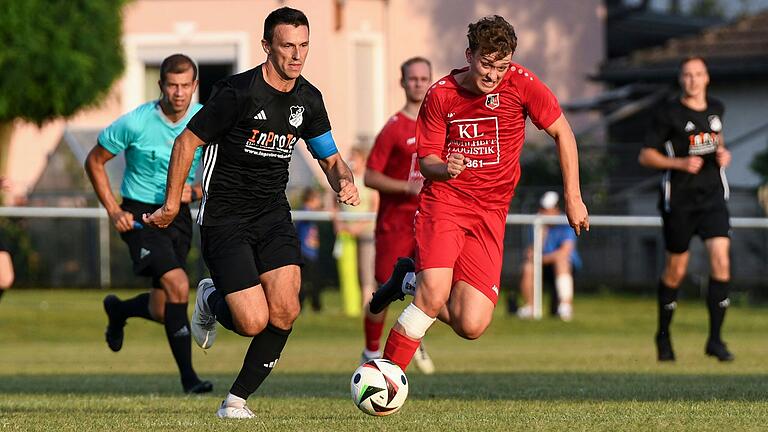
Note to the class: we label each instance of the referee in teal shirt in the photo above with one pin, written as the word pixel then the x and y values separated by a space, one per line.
pixel 146 135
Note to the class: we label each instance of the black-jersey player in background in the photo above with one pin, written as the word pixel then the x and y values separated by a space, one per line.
pixel 686 141
pixel 249 128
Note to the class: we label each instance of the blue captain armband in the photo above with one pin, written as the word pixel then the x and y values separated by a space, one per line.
pixel 322 146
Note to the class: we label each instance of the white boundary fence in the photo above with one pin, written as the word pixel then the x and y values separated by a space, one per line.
pixel 537 221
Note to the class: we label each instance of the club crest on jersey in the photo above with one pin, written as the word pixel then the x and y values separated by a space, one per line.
pixel 297 115
pixel 714 123
pixel 492 100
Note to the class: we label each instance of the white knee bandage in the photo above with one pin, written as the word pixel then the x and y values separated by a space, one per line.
pixel 564 287
pixel 415 322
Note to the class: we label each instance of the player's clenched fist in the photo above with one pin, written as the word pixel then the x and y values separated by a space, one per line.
pixel 456 164
pixel 348 193
pixel 692 164
pixel 122 220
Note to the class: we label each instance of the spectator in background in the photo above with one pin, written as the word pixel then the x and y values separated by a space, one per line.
pixel 6 263
pixel 559 260
pixel 356 258
pixel 6 268
pixel 309 238
pixel 762 197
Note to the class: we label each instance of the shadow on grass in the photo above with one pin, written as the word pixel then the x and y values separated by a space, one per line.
pixel 476 386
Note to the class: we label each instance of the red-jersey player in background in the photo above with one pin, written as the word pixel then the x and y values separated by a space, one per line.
pixel 393 170
pixel 469 133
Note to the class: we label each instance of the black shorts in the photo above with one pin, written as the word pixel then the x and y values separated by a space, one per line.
pixel 236 254
pixel 155 251
pixel 680 225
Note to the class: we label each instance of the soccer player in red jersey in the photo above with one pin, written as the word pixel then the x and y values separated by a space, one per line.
pixel 393 170
pixel 469 134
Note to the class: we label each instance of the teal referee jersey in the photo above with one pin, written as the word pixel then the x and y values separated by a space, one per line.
pixel 146 135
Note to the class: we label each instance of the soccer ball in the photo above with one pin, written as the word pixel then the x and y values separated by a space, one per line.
pixel 379 387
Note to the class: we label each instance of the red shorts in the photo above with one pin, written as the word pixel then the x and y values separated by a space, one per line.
pixel 470 241
pixel 391 245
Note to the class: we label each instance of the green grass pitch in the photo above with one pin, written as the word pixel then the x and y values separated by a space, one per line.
pixel 596 373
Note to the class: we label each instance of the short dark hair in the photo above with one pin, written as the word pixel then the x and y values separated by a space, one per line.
pixel 691 58
pixel 492 34
pixel 406 64
pixel 284 15
pixel 177 63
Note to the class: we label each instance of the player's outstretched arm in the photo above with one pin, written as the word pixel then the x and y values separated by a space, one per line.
pixel 575 210
pixel 95 167
pixel 340 178
pixel 178 169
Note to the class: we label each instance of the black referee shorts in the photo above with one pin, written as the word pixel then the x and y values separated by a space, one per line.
pixel 680 225
pixel 155 251
pixel 236 254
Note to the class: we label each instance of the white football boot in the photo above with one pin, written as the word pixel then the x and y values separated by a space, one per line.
pixel 367 356
pixel 423 361
pixel 234 412
pixel 525 312
pixel 203 323
pixel 565 312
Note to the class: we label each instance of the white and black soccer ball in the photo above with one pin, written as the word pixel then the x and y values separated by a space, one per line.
pixel 379 387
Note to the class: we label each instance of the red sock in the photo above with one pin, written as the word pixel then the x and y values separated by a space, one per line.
pixel 372 334
pixel 400 349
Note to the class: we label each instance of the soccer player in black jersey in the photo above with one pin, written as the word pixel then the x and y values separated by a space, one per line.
pixel 686 142
pixel 248 129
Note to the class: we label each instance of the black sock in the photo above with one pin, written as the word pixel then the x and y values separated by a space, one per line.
pixel 261 357
pixel 667 305
pixel 717 303
pixel 136 307
pixel 180 341
pixel 220 308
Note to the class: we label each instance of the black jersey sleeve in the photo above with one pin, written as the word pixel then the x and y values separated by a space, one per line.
pixel 318 121
pixel 219 114
pixel 659 130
